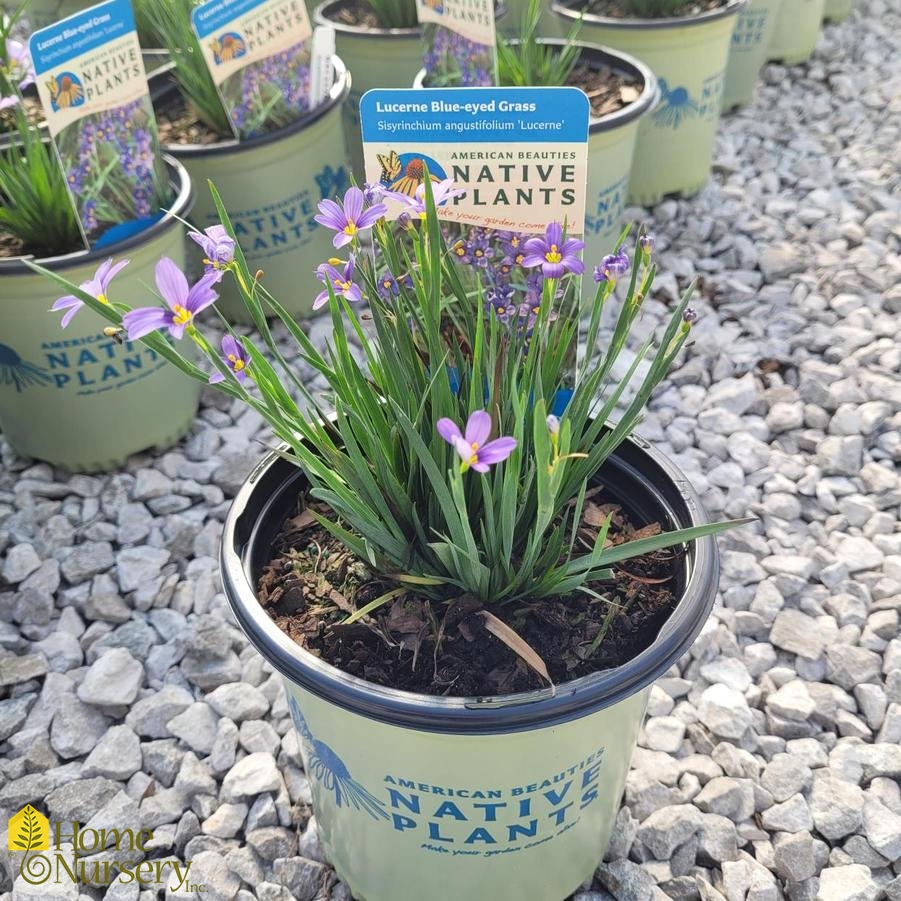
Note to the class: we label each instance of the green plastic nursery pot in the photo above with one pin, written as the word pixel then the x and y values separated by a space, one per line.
pixel 750 42
pixel 688 54
pixel 611 147
pixel 74 397
pixel 837 10
pixel 449 798
pixel 796 31
pixel 378 58
pixel 271 186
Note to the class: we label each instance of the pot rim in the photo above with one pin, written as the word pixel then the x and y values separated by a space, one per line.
pixel 320 18
pixel 339 91
pixel 414 31
pixel 471 715
pixel 565 10
pixel 649 96
pixel 179 209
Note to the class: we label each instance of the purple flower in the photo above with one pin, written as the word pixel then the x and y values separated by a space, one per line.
pixel 471 447
pixel 388 286
pixel 235 357
pixel 341 280
pixel 442 191
pixel 373 193
pixel 98 286
pixel 553 425
pixel 19 61
pixel 689 316
pixel 646 243
pixel 184 303
pixel 348 217
pixel 7 102
pixel 553 254
pixel 218 246
pixel 612 267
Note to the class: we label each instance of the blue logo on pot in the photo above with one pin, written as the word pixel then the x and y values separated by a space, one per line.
pixel 332 181
pixel 327 768
pixel 18 372
pixel 675 105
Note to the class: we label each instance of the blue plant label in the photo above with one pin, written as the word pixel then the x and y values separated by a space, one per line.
pixel 459 37
pixel 93 87
pixel 520 155
pixel 258 53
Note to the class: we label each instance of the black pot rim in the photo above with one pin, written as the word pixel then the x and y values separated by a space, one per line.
pixel 566 11
pixel 321 17
pixel 180 207
pixel 340 90
pixel 513 713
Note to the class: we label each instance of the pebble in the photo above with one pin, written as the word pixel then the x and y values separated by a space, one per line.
pixel 113 680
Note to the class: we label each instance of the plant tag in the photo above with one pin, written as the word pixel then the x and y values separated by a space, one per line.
pixel 322 73
pixel 459 37
pixel 93 88
pixel 258 53
pixel 520 155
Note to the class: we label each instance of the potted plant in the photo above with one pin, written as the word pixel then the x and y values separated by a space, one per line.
pixel 796 31
pixel 621 91
pixel 687 50
pixel 381 42
pixel 271 195
pixel 747 53
pixel 468 598
pixel 81 400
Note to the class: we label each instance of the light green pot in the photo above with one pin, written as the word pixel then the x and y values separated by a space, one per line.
pixel 750 42
pixel 378 58
pixel 423 798
pixel 837 10
pixel 688 55
pixel 271 186
pixel 796 31
pixel 74 397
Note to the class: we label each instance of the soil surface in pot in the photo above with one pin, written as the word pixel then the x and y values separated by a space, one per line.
pixel 179 125
pixel 34 113
pixel 361 15
pixel 614 9
pixel 9 246
pixel 608 91
pixel 313 583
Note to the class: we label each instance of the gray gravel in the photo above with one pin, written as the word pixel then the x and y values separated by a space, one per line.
pixel 769 765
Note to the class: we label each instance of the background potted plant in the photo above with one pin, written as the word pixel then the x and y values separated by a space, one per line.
pixel 272 196
pixel 465 556
pixel 381 43
pixel 748 51
pixel 620 89
pixel 796 31
pixel 687 50
pixel 81 400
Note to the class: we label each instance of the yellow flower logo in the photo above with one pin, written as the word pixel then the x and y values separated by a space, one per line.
pixel 29 831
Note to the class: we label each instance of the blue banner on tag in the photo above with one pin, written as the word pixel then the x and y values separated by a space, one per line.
pixel 478 115
pixel 57 44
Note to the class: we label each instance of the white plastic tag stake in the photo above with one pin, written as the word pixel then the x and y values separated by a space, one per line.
pixel 322 74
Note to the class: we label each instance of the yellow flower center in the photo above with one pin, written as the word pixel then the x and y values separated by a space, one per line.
pixel 334 261
pixel 553 255
pixel 103 299
pixel 181 315
pixel 237 363
pixel 350 228
pixel 342 285
pixel 514 241
pixel 520 257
